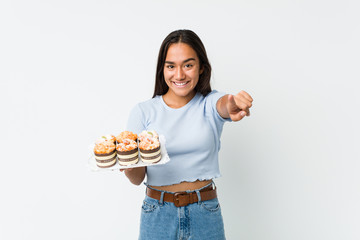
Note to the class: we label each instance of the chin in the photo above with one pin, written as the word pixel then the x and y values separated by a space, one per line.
pixel 183 93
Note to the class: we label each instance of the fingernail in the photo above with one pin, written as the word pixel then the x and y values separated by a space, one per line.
pixel 243 114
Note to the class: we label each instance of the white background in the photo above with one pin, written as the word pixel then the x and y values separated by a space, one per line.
pixel 70 72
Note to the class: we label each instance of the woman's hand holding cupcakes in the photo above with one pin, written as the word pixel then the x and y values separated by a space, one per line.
pixel 126 169
pixel 135 175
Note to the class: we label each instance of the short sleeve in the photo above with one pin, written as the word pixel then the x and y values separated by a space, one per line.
pixel 135 122
pixel 211 100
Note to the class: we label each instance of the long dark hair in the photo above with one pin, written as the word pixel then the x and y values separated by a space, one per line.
pixel 190 38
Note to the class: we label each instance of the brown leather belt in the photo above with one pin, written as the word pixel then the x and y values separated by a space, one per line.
pixel 181 199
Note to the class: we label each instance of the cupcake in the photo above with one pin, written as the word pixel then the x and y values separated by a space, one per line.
pixel 150 150
pixel 105 154
pixel 127 152
pixel 126 135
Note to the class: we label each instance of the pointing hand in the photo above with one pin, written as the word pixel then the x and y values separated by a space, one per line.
pixel 238 105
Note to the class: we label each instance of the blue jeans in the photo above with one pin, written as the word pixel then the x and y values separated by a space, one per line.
pixel 164 221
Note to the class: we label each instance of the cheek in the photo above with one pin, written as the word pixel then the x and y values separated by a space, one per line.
pixel 167 75
pixel 195 74
pixel 167 79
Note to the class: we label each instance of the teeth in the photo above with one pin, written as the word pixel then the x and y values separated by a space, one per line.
pixel 180 84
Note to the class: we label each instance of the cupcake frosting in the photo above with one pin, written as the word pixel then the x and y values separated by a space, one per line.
pixel 148 135
pixel 126 145
pixel 126 135
pixel 149 144
pixel 104 147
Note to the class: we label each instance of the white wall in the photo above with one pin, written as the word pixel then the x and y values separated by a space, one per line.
pixel 71 70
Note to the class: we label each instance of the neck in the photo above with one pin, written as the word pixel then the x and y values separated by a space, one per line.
pixel 175 101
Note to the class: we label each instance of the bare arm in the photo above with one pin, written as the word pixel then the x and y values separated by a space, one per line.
pixel 234 106
pixel 135 175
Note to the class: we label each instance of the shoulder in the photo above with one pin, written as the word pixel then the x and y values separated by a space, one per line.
pixel 140 114
pixel 150 103
pixel 213 96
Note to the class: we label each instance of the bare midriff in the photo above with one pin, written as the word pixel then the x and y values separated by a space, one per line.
pixel 183 186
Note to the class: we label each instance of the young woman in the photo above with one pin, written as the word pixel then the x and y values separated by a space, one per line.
pixel 181 200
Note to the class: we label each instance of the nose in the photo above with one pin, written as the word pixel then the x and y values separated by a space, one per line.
pixel 179 74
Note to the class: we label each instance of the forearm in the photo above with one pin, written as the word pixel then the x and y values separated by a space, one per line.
pixel 221 106
pixel 136 175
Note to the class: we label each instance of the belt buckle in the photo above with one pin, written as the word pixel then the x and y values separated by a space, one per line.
pixel 177 201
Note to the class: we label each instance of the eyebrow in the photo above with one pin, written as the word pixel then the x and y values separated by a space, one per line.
pixel 187 60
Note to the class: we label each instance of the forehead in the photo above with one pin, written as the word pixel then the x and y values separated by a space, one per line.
pixel 180 51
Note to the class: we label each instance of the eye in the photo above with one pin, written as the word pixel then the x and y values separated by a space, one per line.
pixel 170 66
pixel 188 65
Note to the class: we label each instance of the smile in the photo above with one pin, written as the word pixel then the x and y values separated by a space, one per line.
pixel 180 84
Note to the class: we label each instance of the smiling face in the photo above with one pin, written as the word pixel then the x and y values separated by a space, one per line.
pixel 181 72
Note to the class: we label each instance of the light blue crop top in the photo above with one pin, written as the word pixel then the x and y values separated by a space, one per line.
pixel 192 135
